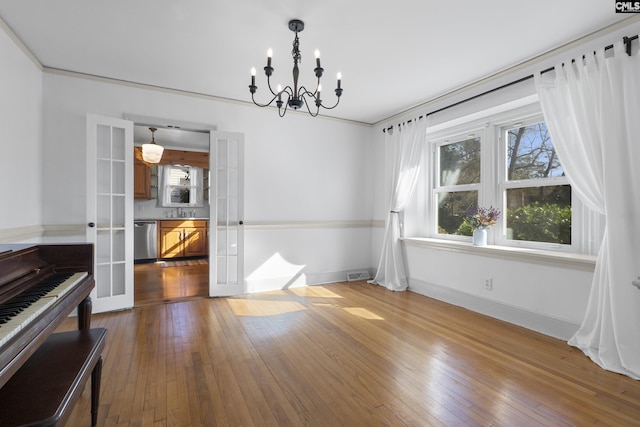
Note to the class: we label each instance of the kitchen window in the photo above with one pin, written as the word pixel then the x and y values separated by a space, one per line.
pixel 181 186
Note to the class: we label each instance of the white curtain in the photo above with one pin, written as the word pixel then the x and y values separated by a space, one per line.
pixel 163 179
pixel 406 143
pixel 592 109
pixel 197 175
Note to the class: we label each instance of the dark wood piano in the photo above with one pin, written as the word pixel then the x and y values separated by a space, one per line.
pixel 40 285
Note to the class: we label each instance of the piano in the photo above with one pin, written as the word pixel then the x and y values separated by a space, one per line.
pixel 40 285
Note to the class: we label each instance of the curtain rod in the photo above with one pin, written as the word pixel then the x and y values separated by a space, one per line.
pixel 627 41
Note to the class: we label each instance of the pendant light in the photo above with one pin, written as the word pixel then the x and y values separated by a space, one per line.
pixel 152 152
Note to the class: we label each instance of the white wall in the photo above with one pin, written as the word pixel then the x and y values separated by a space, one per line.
pixel 542 295
pixel 546 296
pixel 298 170
pixel 20 135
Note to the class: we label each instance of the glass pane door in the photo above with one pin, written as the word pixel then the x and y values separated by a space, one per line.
pixel 110 210
pixel 226 271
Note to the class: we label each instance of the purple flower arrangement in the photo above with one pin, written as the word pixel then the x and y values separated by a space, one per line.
pixel 479 217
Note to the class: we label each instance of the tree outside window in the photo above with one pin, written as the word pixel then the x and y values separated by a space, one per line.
pixel 523 178
pixel 537 196
pixel 458 183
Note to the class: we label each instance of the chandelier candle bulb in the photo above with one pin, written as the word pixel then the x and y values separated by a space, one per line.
pixel 317 52
pixel 253 76
pixel 269 55
pixel 339 79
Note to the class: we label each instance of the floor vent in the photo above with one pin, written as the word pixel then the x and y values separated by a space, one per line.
pixel 352 276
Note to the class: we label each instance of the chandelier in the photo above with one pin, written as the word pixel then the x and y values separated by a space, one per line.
pixel 297 96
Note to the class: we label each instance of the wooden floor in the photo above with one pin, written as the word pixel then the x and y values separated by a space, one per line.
pixel 347 354
pixel 170 281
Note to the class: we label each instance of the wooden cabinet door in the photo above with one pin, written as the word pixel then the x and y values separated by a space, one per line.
pixel 141 180
pixel 171 243
pixel 195 242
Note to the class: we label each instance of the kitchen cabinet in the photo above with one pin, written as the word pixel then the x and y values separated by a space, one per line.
pixel 141 179
pixel 183 238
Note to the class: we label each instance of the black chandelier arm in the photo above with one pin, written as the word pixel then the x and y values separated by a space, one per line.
pixel 304 91
pixel 288 90
pixel 282 112
pixel 307 105
pixel 270 88
pixel 334 106
pixel 262 105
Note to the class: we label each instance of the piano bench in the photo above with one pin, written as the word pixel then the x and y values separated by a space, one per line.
pixel 45 388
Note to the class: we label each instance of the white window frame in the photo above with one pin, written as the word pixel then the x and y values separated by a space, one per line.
pixel 466 133
pixel 504 185
pixel 491 191
pixel 193 188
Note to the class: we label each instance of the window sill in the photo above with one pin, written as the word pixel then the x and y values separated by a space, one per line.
pixel 555 259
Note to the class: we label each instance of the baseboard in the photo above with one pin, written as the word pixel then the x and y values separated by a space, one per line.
pixel 546 325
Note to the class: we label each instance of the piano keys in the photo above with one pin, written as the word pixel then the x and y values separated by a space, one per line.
pixel 40 285
pixel 27 306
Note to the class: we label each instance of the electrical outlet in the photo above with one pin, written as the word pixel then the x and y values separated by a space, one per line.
pixel 488 284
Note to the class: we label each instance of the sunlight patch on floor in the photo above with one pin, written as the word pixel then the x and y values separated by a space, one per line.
pixel 248 307
pixel 314 291
pixel 363 313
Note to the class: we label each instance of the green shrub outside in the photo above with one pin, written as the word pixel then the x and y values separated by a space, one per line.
pixel 549 223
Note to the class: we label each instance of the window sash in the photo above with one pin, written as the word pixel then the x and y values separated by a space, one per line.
pixel 493 186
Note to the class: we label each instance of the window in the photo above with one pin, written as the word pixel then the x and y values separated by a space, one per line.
pixel 458 182
pixel 537 195
pixel 181 186
pixel 510 163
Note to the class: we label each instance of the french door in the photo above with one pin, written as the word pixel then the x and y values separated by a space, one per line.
pixel 226 269
pixel 110 210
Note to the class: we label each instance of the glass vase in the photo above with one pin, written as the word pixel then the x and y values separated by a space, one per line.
pixel 480 237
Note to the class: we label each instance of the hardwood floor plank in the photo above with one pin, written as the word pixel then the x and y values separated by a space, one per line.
pixel 155 283
pixel 346 354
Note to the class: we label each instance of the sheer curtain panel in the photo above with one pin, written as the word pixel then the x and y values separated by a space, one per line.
pixel 592 109
pixel 405 144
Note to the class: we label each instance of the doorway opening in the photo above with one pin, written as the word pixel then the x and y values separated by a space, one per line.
pixel 170 281
pixel 172 261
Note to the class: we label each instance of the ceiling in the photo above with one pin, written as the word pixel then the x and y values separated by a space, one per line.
pixel 392 55
pixel 177 139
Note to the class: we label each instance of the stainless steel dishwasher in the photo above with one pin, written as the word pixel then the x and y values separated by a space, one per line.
pixel 145 240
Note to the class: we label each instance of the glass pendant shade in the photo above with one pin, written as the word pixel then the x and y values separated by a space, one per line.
pixel 152 152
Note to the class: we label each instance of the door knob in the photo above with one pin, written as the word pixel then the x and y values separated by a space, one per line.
pixel 92 224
